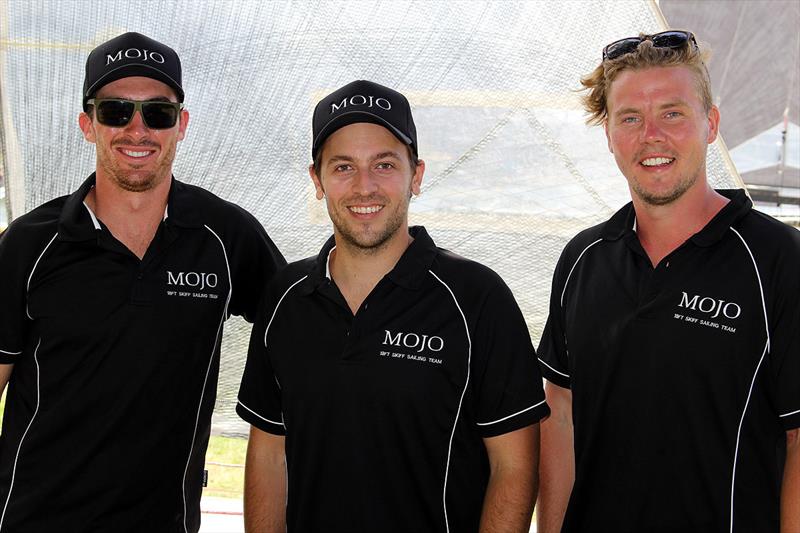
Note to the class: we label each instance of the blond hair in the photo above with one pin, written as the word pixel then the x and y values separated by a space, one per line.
pixel 598 83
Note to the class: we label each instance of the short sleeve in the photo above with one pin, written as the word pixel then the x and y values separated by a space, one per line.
pixel 508 385
pixel 256 262
pixel 785 338
pixel 13 318
pixel 552 352
pixel 259 402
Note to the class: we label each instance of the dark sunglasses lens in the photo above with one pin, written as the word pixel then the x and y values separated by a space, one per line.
pixel 670 39
pixel 159 115
pixel 622 47
pixel 114 113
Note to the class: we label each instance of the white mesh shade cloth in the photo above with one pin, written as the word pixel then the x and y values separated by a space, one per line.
pixel 512 171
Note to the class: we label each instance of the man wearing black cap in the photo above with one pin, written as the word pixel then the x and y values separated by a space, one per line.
pixel 394 381
pixel 113 301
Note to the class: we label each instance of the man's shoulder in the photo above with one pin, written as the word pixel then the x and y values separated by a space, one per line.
pixel 451 267
pixel 291 274
pixel 211 206
pixel 583 239
pixel 768 233
pixel 40 223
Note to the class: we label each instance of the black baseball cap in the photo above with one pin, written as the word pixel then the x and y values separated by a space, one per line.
pixel 131 54
pixel 364 101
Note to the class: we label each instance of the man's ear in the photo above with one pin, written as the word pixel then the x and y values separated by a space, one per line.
pixel 317 182
pixel 416 179
pixel 87 127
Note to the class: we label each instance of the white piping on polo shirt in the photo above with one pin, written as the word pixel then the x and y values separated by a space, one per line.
pixel 752 382
pixel 566 282
pixel 328 264
pixel 564 291
pixel 790 414
pixel 266 331
pixel 28 286
pixel 460 401
pixel 551 368
pixel 10 353
pixel 261 417
pixel 269 324
pixel 208 370
pixel 510 416
pixel 95 222
pixel 22 439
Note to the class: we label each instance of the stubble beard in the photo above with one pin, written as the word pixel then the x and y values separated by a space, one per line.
pixel 679 189
pixel 369 241
pixel 132 179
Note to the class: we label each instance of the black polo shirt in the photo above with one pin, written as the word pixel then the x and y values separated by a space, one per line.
pixel 116 360
pixel 384 412
pixel 684 377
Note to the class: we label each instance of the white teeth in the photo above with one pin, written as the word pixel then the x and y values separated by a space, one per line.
pixel 366 210
pixel 135 154
pixel 655 161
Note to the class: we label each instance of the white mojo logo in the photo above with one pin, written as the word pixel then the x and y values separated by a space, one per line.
pixel 712 308
pixel 399 344
pixel 135 53
pixel 361 100
pixel 189 283
pixel 414 341
pixel 710 305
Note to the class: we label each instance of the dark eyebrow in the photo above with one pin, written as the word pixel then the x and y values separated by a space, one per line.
pixel 338 158
pixel 384 155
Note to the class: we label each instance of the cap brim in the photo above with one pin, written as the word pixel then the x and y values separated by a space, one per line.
pixel 354 117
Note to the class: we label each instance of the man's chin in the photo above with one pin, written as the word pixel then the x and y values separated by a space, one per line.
pixel 137 183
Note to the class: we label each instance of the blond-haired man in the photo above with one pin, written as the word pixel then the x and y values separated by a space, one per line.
pixel 672 348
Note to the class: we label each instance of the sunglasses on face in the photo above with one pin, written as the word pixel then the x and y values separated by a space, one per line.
pixel 116 112
pixel 674 39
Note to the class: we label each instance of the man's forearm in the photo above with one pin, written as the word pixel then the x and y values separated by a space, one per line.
pixel 508 505
pixel 513 481
pixel 557 461
pixel 790 490
pixel 264 485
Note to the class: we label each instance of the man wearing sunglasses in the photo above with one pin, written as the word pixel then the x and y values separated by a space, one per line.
pixel 672 347
pixel 113 303
pixel 391 385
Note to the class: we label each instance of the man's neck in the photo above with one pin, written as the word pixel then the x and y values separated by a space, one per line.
pixel 663 228
pixel 132 217
pixel 357 271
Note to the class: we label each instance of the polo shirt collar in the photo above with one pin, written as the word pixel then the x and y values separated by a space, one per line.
pixel 718 226
pixel 413 266
pixel 78 223
pixel 409 272
pixel 624 220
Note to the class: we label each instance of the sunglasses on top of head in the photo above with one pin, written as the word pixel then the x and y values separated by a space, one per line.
pixel 674 39
pixel 117 112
